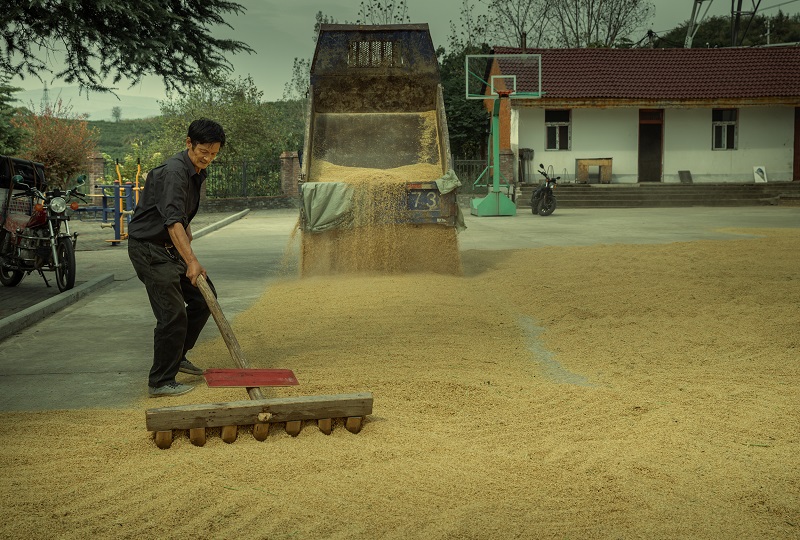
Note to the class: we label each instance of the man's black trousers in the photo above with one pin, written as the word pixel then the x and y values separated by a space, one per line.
pixel 180 309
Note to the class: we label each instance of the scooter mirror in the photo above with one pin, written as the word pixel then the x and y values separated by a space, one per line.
pixel 541 165
pixel 81 180
pixel 17 179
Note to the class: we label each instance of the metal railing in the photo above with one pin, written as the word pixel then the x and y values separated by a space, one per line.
pixel 468 170
pixel 227 180
pixel 247 178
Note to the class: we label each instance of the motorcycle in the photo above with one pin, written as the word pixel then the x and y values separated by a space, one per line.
pixel 543 202
pixel 44 242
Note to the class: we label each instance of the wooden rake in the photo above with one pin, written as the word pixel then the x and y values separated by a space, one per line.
pixel 257 411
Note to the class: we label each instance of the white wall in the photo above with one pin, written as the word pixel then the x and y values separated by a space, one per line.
pixel 765 137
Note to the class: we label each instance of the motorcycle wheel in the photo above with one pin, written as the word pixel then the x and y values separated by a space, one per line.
pixel 65 269
pixel 547 206
pixel 8 277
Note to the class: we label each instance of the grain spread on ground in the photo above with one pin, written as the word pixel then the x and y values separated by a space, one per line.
pixel 640 391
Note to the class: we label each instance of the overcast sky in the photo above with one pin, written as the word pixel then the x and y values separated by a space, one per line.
pixel 280 31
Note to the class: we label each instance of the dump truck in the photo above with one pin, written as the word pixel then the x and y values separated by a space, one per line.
pixel 376 167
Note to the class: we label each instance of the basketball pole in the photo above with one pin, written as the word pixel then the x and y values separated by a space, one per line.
pixel 495 203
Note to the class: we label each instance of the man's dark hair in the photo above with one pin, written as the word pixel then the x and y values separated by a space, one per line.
pixel 205 131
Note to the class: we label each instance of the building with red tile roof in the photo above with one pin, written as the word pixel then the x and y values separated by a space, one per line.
pixel 716 113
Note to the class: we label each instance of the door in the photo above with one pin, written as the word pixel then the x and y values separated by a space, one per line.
pixel 651 144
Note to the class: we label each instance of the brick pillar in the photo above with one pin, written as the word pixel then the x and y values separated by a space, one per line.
pixel 95 173
pixel 290 173
pixel 507 165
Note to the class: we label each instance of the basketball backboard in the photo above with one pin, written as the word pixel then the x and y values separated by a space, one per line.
pixel 519 76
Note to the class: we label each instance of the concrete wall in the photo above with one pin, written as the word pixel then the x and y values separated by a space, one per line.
pixel 765 138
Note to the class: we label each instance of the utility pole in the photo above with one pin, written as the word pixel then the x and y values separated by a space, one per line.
pixel 694 23
pixel 44 104
pixel 736 16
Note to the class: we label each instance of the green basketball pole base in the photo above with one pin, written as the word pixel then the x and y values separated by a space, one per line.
pixel 494 204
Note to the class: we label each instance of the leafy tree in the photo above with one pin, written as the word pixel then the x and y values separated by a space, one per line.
pixel 117 138
pixel 467 120
pixel 104 39
pixel 59 139
pixel 140 160
pixel 10 135
pixel 255 130
pixel 716 32
pixel 297 88
pixel 116 113
pixel 295 101
pixel 783 28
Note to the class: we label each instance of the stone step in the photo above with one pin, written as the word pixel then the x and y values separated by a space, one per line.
pixel 665 195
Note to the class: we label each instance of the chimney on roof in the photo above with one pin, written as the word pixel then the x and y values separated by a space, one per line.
pixel 523 41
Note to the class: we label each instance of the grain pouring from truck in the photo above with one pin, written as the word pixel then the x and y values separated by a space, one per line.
pixel 378 191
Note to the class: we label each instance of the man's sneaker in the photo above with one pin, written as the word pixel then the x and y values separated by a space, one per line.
pixel 188 367
pixel 170 389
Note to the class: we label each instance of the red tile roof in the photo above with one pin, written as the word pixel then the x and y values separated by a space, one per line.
pixel 664 74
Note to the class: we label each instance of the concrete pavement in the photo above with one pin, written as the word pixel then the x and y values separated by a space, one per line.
pixel 32 300
pixel 95 352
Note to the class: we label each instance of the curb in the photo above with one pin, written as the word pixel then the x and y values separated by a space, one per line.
pixel 219 224
pixel 26 317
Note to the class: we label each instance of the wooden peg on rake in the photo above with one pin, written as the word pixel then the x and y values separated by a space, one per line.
pixel 258 411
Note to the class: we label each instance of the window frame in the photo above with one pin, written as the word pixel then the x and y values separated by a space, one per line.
pixel 728 128
pixel 557 127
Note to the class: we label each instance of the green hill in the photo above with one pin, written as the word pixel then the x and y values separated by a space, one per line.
pixel 115 138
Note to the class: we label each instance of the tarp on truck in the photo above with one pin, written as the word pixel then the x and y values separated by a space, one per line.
pixel 446 184
pixel 326 205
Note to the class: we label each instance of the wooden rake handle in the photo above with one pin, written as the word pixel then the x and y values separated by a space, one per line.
pixel 227 333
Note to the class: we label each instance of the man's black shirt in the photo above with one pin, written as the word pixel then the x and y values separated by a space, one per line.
pixel 171 195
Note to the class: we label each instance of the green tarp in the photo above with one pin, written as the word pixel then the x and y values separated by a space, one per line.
pixel 326 205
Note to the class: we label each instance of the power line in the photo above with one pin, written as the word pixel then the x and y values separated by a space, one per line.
pixel 779 5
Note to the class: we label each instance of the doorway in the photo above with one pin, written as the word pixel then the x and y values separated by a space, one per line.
pixel 651 144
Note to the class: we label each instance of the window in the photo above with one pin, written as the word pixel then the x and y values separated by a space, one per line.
pixel 725 123
pixel 370 54
pixel 557 124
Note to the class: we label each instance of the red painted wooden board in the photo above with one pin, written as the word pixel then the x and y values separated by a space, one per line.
pixel 249 378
